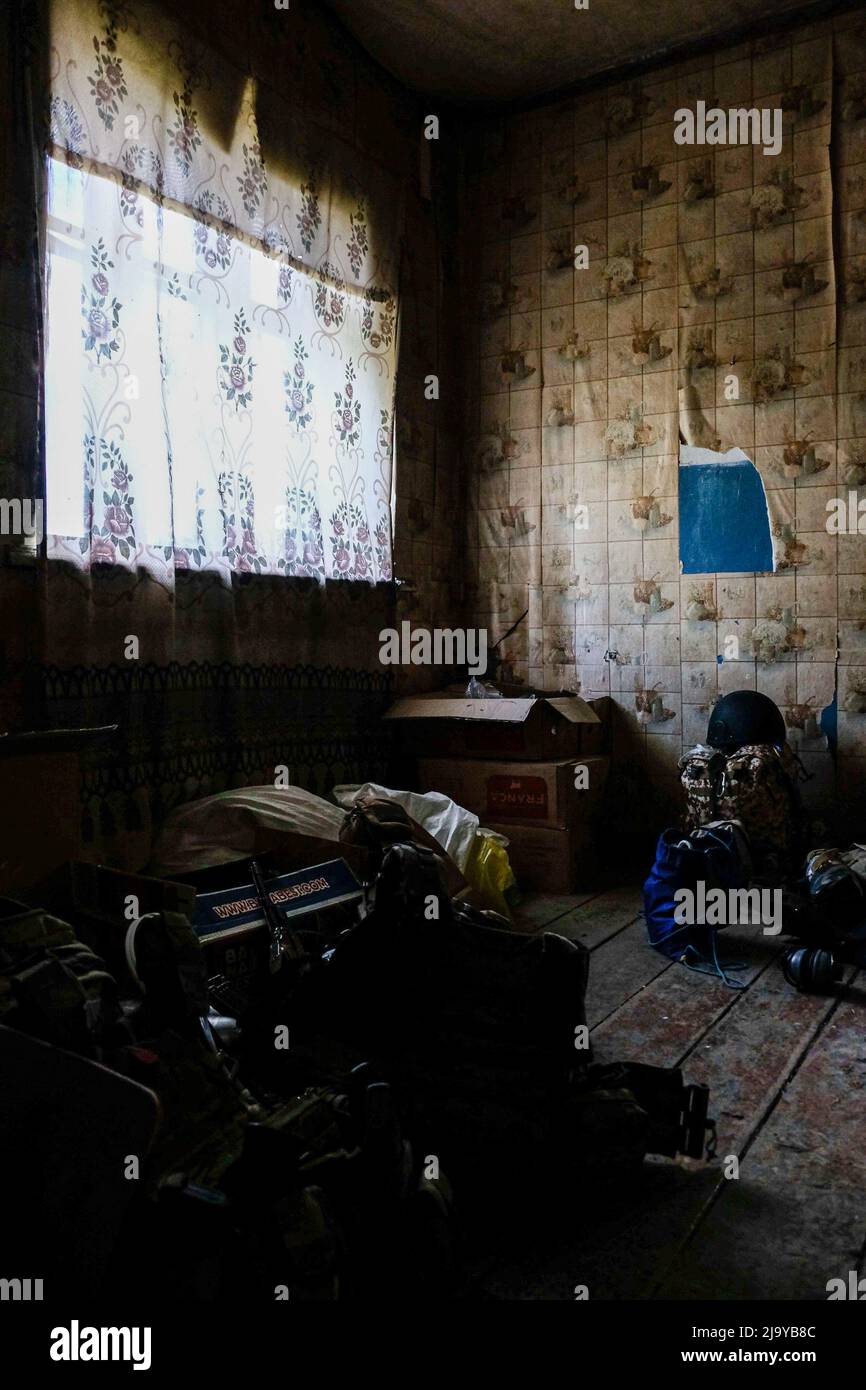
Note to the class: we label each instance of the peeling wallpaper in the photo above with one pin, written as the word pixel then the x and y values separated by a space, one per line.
pixel 703 262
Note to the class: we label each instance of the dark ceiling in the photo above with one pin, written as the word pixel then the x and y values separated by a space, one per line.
pixel 483 51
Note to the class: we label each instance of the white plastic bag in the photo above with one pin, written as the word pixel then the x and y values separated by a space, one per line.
pixel 449 824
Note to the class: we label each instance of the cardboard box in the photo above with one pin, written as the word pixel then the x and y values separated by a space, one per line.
pixel 598 738
pixel 229 920
pixel 546 729
pixel 547 859
pixel 540 793
pixel 238 911
pixel 95 899
pixel 98 892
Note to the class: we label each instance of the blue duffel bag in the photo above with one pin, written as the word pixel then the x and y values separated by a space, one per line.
pixel 716 855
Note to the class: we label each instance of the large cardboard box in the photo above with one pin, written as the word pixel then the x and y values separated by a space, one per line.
pixel 96 899
pixel 549 859
pixel 546 729
pixel 560 794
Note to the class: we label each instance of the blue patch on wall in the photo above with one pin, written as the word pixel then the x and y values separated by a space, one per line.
pixel 829 723
pixel 724 527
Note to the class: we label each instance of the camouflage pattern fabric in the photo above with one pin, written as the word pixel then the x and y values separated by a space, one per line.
pixel 54 987
pixel 202 1119
pixel 756 785
pixel 699 773
pixel 855 858
pixel 51 984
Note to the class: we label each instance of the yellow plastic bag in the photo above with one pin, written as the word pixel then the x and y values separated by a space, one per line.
pixel 488 872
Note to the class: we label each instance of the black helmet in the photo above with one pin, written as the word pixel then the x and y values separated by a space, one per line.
pixel 745 716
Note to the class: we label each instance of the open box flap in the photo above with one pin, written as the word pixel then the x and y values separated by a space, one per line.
pixel 575 710
pixel 571 707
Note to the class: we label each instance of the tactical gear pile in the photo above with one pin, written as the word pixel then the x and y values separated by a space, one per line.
pixel 827 912
pixel 426 1043
pixel 744 823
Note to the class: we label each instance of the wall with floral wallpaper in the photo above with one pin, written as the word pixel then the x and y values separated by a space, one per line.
pixel 702 262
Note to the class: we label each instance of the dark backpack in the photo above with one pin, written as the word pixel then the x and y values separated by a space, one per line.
pixel 423 974
pixel 482 1032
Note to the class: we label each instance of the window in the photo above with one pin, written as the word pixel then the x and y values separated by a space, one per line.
pixel 223 259
pixel 208 404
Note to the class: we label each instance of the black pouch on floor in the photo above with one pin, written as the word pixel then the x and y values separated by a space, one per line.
pixel 676 1120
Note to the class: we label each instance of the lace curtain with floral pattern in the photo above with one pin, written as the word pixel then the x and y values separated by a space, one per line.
pixel 221 316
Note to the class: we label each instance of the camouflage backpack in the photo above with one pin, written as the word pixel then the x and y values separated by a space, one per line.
pixel 51 984
pixel 700 771
pixel 757 786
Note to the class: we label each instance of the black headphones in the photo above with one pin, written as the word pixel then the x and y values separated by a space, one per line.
pixel 811 969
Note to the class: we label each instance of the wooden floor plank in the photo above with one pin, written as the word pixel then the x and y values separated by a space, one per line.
pixel 795 1217
pixel 620 967
pixel 745 1063
pixel 662 1021
pixel 612 928
pixel 541 910
pixel 594 922
pixel 785 1072
pixel 629 1240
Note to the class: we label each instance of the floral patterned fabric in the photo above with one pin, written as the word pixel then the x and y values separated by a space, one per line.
pixel 221 343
